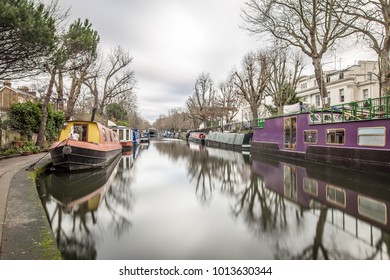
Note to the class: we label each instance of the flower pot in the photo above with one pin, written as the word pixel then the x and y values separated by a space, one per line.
pixel 18 143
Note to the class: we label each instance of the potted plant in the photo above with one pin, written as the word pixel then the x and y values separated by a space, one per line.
pixel 18 142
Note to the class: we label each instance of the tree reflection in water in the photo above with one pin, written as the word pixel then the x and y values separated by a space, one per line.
pixel 283 205
pixel 72 201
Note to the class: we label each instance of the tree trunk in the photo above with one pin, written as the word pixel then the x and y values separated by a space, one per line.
pixel 320 79
pixel 60 91
pixel 385 69
pixel 45 104
pixel 255 115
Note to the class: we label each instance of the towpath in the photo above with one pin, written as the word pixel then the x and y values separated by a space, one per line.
pixel 24 230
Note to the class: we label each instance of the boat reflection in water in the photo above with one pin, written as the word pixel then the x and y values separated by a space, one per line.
pixel 177 200
pixel 350 208
pixel 72 201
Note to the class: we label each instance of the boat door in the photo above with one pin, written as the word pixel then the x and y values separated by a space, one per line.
pixel 290 133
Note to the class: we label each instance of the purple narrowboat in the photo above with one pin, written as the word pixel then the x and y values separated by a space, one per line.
pixel 350 135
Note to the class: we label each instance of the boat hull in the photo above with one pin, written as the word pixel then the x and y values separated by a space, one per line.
pixel 72 158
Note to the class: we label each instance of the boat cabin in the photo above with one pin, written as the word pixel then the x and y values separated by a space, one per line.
pixel 340 134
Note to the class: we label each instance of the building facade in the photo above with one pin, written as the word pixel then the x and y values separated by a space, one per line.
pixel 357 82
pixel 9 95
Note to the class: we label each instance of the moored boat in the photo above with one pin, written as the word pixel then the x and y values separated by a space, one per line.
pixel 236 141
pixel 84 145
pixel 125 135
pixel 348 135
pixel 144 137
pixel 198 137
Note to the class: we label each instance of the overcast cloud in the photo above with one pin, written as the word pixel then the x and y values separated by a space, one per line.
pixel 172 42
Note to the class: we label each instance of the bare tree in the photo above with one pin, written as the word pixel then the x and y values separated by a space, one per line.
pixel 228 100
pixel 287 67
pixel 252 79
pixel 373 27
pixel 310 25
pixel 114 82
pixel 201 105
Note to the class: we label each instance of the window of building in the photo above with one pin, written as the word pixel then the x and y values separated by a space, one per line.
pixel 341 75
pixel 318 100
pixel 335 136
pixel 365 94
pixel 369 76
pixel 372 209
pixel 310 136
pixel 371 136
pixel 303 85
pixel 335 195
pixel 328 78
pixel 341 94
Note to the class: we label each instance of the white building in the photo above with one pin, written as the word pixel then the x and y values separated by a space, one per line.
pixel 357 82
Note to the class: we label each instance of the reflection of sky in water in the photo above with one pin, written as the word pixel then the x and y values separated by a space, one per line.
pixel 158 209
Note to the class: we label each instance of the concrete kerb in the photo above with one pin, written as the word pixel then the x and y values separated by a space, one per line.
pixel 26 233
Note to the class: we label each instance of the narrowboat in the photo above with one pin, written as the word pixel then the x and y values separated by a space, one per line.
pixel 235 141
pixel 152 132
pixel 144 137
pixel 84 145
pixel 125 135
pixel 352 135
pixel 198 137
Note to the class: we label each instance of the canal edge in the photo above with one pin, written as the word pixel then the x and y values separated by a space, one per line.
pixel 27 234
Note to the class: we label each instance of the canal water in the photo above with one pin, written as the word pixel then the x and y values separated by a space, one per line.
pixel 183 201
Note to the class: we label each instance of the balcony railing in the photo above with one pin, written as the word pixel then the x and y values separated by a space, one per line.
pixel 369 109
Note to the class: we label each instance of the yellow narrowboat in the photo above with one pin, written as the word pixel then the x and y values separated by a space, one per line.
pixel 84 145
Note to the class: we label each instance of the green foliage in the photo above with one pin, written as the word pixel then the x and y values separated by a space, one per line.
pixel 30 147
pixel 116 111
pixel 27 33
pixel 81 39
pixel 10 151
pixel 54 124
pixel 25 118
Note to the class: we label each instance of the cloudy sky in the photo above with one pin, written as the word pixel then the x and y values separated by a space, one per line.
pixel 171 41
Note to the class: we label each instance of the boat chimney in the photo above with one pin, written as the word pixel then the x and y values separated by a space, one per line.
pixel 93 114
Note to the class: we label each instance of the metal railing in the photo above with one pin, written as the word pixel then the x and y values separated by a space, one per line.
pixel 369 109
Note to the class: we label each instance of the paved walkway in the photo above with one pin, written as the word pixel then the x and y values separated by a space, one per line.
pixel 24 230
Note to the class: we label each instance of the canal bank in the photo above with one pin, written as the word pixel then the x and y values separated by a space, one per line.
pixel 25 232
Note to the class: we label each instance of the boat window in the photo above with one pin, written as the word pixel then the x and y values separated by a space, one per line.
pixel 372 209
pixel 335 136
pixel 116 137
pixel 310 186
pixel 310 136
pixel 371 136
pixel 104 134
pixel 110 137
pixel 335 195
pixel 121 134
pixel 79 132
